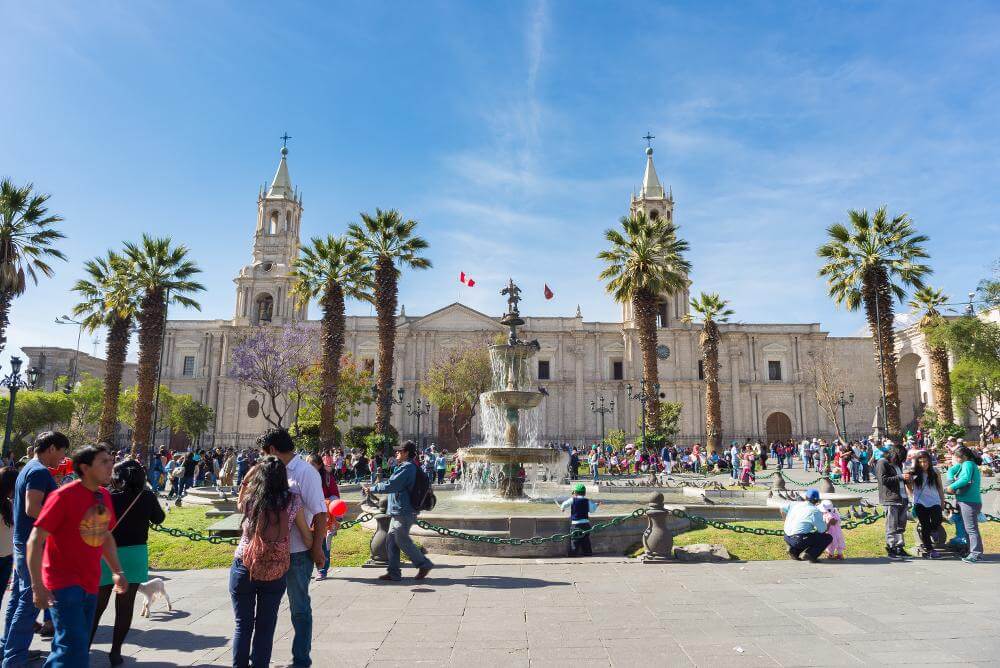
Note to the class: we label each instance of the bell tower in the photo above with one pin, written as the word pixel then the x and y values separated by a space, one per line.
pixel 656 203
pixel 263 287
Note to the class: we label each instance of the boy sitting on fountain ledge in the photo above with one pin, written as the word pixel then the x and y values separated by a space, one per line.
pixel 580 508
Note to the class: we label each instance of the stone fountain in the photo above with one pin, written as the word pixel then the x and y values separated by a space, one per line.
pixel 498 463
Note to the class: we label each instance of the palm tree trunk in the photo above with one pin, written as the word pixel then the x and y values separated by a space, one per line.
pixel 644 305
pixel 150 343
pixel 942 384
pixel 876 296
pixel 386 278
pixel 713 405
pixel 333 347
pixel 5 298
pixel 116 352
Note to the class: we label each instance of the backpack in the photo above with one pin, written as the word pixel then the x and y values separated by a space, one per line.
pixel 266 555
pixel 421 495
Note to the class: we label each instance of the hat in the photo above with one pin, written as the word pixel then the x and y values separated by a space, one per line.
pixel 579 488
pixel 826 504
pixel 812 495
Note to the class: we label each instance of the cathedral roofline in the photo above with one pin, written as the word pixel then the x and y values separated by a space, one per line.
pixel 281 185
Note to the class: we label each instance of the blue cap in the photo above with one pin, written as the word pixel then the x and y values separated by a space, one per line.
pixel 812 494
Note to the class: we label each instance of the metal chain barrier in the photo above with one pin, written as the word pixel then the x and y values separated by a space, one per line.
pixel 537 540
pixel 195 536
pixel 360 519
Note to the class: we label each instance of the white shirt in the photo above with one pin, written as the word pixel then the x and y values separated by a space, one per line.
pixel 310 488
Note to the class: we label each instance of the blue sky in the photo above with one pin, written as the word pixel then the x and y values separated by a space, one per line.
pixel 511 131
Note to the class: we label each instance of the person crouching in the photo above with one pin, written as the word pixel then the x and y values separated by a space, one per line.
pixel 579 507
pixel 805 528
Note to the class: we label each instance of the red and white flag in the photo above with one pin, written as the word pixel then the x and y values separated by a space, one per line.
pixel 466 280
pixel 548 292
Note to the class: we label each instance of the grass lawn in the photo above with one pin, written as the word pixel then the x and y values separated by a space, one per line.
pixel 348 548
pixel 865 541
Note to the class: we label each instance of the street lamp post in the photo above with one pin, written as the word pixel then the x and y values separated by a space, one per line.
pixel 13 383
pixel 71 380
pixel 418 409
pixel 844 403
pixel 643 397
pixel 603 410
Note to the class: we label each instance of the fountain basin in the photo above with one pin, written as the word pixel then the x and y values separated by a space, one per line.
pixel 517 399
pixel 509 455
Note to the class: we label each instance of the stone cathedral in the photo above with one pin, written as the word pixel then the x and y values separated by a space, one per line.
pixel 766 383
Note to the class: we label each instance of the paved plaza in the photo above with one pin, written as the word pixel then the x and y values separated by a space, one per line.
pixel 608 612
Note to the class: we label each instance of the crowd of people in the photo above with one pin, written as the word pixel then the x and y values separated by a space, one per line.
pixel 74 530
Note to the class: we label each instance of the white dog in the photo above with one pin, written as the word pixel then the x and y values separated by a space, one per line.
pixel 151 591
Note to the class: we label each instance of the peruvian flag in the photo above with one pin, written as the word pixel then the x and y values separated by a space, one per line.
pixel 466 280
pixel 548 292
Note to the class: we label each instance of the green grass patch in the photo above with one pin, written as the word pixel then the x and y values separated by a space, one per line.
pixel 865 541
pixel 348 548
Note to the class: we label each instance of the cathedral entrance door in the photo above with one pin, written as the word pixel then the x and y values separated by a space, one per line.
pixel 779 427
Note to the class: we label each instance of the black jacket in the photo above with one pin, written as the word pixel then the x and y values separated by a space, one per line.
pixel 889 483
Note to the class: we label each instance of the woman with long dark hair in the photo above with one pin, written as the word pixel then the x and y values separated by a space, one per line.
pixel 966 483
pixel 927 492
pixel 330 492
pixel 8 478
pixel 257 578
pixel 136 507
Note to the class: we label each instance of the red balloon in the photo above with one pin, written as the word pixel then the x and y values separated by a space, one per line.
pixel 338 507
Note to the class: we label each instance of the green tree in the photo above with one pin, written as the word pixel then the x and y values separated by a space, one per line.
pixel 34 411
pixel 108 299
pixel 87 397
pixel 26 238
pixel 190 416
pixel 159 271
pixel 870 261
pixel 354 388
pixel 644 260
pixel 127 408
pixel 989 288
pixel 976 385
pixel 710 309
pixel 927 302
pixel 334 271
pixel 388 243
pixel 454 384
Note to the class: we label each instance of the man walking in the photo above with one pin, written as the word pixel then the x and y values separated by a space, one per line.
pixel 805 528
pixel 398 487
pixel 303 476
pixel 72 533
pixel 892 496
pixel 34 483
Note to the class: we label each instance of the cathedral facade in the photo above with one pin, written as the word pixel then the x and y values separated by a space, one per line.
pixel 768 377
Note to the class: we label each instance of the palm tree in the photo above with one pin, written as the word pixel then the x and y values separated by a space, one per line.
pixel 159 271
pixel 26 238
pixel 928 300
pixel 388 243
pixel 869 261
pixel 334 271
pixel 710 309
pixel 109 300
pixel 645 260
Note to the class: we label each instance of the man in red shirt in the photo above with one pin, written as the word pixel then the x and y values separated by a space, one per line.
pixel 71 534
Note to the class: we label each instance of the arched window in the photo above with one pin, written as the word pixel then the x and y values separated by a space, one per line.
pixel 273 227
pixel 263 309
pixel 654 214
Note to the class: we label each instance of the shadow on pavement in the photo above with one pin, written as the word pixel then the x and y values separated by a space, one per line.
pixel 476 582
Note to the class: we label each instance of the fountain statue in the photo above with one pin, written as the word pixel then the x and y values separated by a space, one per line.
pixel 509 438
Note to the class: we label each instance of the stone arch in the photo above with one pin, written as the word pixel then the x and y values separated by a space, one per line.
pixel 910 404
pixel 778 427
pixel 263 309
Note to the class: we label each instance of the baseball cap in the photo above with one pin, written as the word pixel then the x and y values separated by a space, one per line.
pixel 812 495
pixel 579 488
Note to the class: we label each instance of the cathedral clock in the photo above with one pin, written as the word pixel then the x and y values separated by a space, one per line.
pixel 663 352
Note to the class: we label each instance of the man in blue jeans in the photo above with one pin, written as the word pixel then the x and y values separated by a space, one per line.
pixel 73 533
pixel 403 514
pixel 301 473
pixel 34 483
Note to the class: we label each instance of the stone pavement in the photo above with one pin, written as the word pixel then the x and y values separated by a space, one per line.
pixel 608 612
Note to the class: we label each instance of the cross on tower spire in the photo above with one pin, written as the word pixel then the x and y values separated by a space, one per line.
pixel 649 139
pixel 284 140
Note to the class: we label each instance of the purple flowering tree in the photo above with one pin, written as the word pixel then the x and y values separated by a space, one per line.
pixel 272 362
